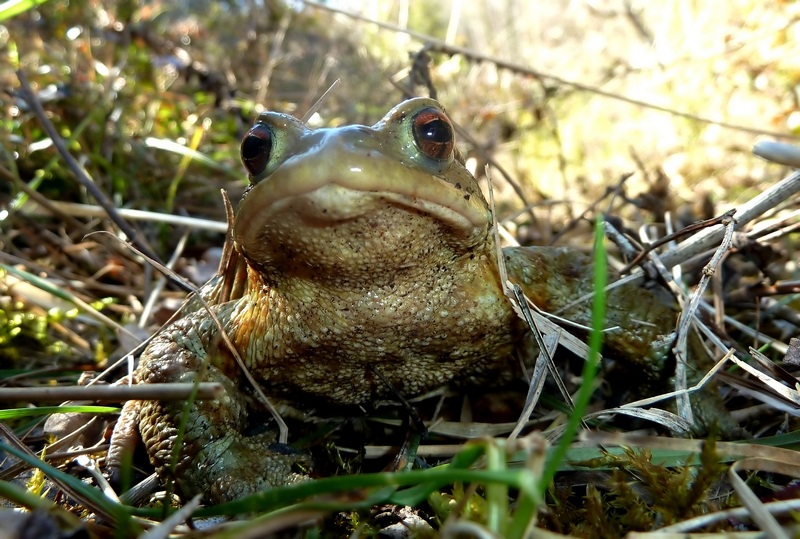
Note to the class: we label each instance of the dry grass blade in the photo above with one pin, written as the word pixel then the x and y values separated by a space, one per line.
pixel 90 466
pixel 770 366
pixel 733 450
pixel 427 450
pixel 541 327
pixel 161 282
pixel 318 103
pixel 546 339
pixel 703 381
pixel 542 365
pixel 272 524
pixel 656 416
pixel 13 471
pixel 168 525
pixel 747 330
pixel 758 512
pixel 673 422
pixel 471 430
pixel 771 386
pixel 688 315
pixel 679 535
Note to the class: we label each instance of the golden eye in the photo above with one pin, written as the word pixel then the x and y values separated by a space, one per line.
pixel 434 134
pixel 257 149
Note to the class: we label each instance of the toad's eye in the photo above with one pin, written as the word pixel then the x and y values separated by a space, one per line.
pixel 433 133
pixel 257 149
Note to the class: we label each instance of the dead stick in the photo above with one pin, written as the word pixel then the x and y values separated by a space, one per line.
pixel 710 238
pixel 118 393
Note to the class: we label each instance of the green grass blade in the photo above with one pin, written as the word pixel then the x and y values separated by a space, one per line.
pixel 174 147
pixel 12 8
pixel 591 364
pixel 432 479
pixel 529 500
pixel 22 497
pixel 117 511
pixel 14 413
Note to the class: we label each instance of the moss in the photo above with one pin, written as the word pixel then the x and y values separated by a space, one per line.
pixel 640 495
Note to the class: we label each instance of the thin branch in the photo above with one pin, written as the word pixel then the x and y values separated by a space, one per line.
pixel 690 229
pixel 88 210
pixel 778 152
pixel 711 237
pixel 118 393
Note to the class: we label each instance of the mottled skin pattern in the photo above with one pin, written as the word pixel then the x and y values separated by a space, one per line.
pixel 357 249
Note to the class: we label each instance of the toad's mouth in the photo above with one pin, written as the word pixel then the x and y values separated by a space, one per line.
pixel 305 193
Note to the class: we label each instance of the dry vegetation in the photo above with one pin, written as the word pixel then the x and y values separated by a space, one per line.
pixel 645 112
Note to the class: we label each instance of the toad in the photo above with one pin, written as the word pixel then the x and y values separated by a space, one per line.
pixel 361 262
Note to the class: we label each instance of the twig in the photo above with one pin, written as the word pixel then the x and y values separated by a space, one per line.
pixel 710 237
pixel 119 393
pixel 690 229
pixel 729 515
pixel 88 210
pixel 778 152
pixel 75 167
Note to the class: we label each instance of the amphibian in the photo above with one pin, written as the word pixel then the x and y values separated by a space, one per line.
pixel 356 250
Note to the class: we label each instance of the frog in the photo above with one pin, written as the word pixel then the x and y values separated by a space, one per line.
pixel 362 263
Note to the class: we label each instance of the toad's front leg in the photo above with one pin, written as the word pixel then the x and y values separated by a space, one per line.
pixel 215 458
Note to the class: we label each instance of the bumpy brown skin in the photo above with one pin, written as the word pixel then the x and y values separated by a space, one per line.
pixel 353 252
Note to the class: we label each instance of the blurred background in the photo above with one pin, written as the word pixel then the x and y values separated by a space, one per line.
pixel 650 108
